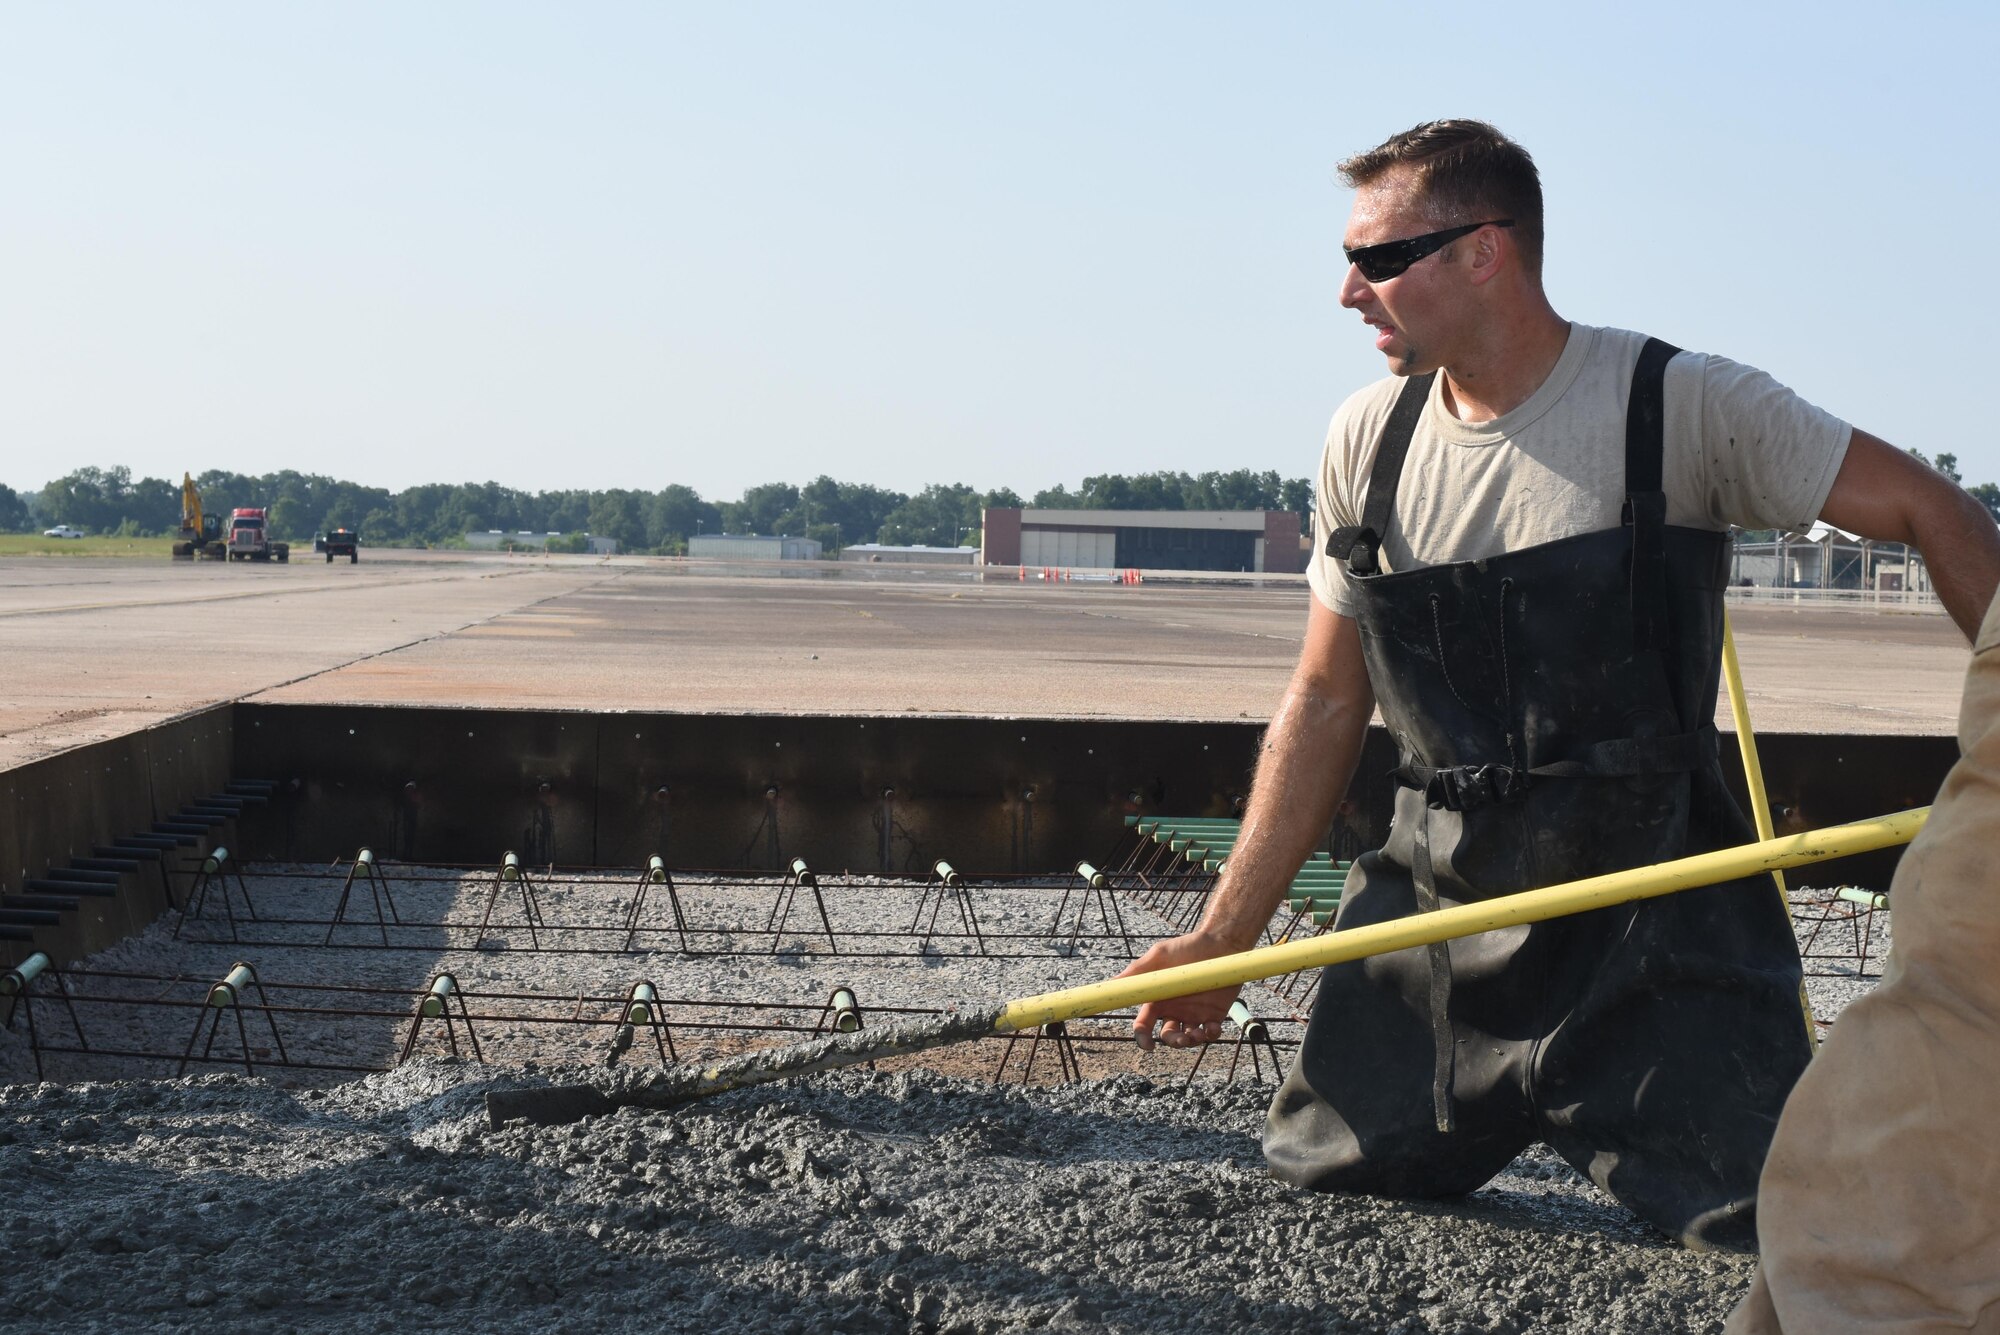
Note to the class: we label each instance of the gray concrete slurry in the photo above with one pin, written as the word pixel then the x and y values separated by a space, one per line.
pixel 854 1201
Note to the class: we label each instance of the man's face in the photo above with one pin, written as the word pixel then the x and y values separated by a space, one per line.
pixel 1414 315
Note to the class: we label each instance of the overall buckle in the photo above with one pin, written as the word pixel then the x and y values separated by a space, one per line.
pixel 1356 545
pixel 1464 787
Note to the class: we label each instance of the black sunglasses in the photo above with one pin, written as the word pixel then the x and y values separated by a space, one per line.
pixel 1378 264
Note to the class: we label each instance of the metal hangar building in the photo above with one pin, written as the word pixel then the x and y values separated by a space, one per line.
pixel 1238 540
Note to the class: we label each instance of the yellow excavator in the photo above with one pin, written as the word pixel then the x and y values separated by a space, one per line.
pixel 201 534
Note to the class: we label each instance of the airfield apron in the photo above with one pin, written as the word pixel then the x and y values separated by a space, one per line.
pixel 1552 714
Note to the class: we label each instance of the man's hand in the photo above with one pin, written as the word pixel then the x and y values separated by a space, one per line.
pixel 1183 1022
pixel 1308 756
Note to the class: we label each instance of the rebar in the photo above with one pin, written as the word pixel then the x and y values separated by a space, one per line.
pixel 1094 881
pixel 435 1004
pixel 1251 1032
pixel 511 872
pixel 215 870
pixel 227 995
pixel 17 985
pixel 656 873
pixel 378 891
pixel 947 882
pixel 1057 1032
pixel 800 876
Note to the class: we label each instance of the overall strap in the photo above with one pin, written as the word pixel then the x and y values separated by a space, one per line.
pixel 1360 545
pixel 1645 492
pixel 1437 968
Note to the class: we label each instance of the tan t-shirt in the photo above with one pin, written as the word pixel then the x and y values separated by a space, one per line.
pixel 1740 449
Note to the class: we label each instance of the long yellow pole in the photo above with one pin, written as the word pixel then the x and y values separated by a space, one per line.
pixel 1753 780
pixel 1422 929
pixel 1746 742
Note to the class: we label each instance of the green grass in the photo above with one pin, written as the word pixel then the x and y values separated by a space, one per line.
pixel 26 544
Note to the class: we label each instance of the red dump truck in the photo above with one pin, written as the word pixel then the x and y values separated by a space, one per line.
pixel 249 542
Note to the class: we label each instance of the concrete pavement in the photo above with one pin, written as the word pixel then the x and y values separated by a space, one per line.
pixel 90 649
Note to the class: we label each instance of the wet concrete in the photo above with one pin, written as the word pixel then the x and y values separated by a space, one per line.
pixel 853 1201
pixel 559 1105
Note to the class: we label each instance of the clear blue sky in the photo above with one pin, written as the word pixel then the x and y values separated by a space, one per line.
pixel 721 244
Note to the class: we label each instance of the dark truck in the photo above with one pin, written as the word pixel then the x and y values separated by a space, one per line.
pixel 342 542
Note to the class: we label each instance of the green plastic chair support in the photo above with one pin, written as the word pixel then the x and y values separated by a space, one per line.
pixel 15 981
pixel 640 1003
pixel 442 988
pixel 224 993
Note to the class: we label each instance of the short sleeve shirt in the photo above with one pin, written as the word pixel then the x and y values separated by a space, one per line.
pixel 1740 449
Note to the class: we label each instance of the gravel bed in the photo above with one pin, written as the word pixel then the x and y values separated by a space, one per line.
pixel 570 996
pixel 916 1196
pixel 1843 946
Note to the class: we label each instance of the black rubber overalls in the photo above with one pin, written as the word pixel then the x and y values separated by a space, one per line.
pixel 1552 712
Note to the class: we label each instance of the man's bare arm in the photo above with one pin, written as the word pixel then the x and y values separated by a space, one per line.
pixel 1884 494
pixel 1308 757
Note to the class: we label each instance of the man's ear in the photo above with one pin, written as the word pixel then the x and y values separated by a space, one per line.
pixel 1487 257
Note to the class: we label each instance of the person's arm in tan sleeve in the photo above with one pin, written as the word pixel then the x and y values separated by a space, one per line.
pixel 1308 756
pixel 1883 493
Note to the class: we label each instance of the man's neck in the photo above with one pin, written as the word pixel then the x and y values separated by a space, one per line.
pixel 1505 367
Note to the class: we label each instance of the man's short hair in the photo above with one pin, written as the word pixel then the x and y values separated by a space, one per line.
pixel 1466 171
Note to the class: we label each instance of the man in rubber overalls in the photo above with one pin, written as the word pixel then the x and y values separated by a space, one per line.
pixel 1522 548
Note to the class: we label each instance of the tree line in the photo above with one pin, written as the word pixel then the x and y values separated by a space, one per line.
pixel 110 501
